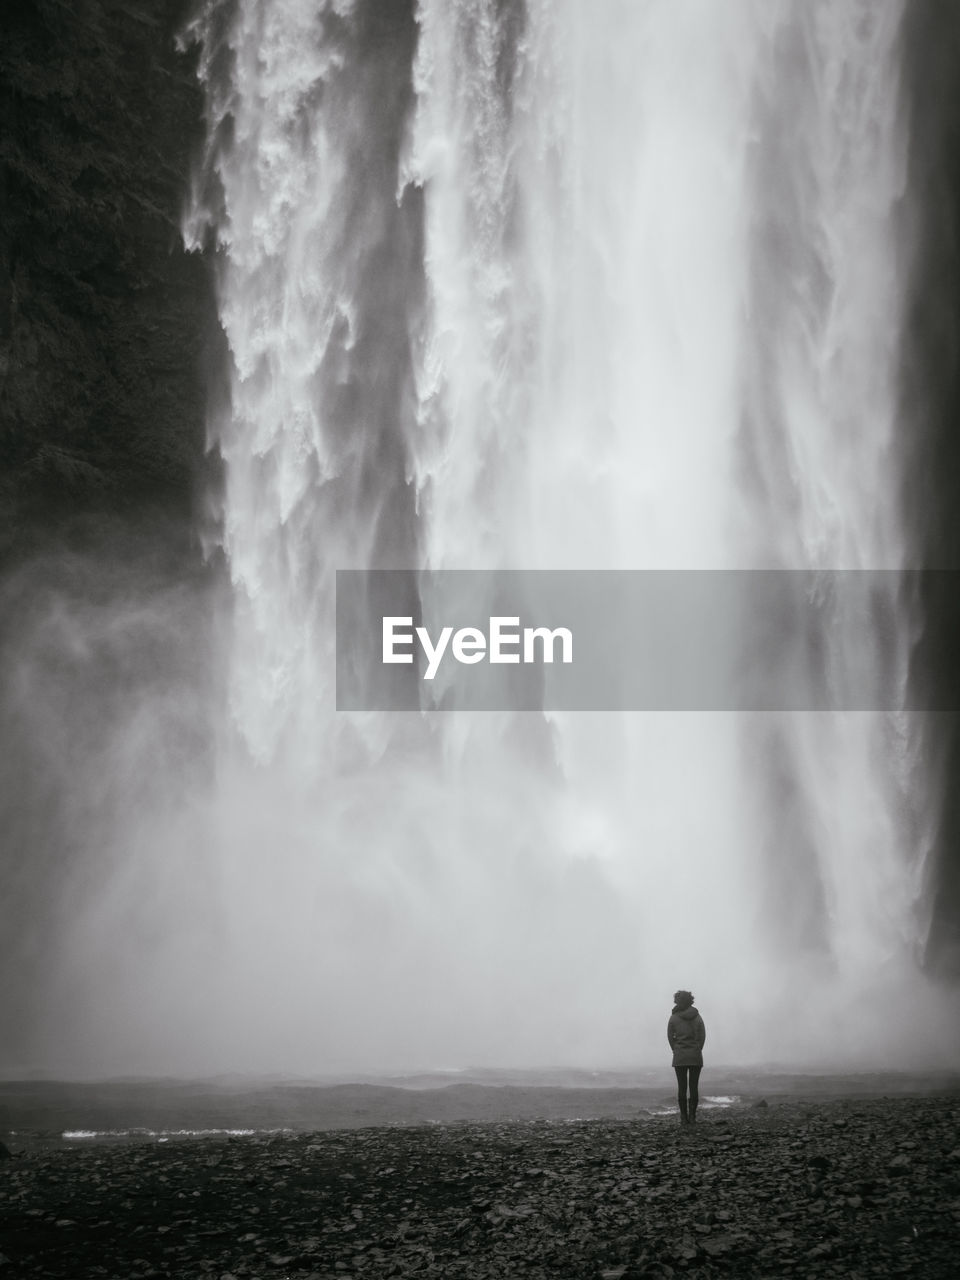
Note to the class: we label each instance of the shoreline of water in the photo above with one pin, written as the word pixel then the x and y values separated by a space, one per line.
pixel 61 1113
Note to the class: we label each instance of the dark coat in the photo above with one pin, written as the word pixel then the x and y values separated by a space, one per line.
pixel 686 1035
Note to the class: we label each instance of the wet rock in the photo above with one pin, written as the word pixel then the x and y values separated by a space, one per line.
pixel 397 1202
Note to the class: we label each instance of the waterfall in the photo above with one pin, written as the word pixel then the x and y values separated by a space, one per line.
pixel 539 285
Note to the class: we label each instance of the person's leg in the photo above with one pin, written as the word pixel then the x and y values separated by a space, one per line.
pixel 682 1091
pixel 694 1091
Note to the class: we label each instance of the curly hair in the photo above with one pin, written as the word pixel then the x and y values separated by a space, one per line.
pixel 683 998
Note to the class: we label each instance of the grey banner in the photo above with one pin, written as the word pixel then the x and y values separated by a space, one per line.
pixel 646 640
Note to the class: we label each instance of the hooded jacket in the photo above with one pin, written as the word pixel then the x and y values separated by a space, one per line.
pixel 686 1035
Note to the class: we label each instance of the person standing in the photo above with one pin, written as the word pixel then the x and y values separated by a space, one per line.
pixel 686 1034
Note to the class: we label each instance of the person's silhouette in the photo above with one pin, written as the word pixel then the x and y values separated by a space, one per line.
pixel 686 1035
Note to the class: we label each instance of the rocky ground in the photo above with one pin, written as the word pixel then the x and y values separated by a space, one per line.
pixel 843 1188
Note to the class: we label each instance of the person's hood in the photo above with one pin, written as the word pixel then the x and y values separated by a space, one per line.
pixel 689 1013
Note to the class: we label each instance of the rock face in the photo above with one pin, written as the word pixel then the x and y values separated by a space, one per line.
pixel 103 323
pixel 930 379
pixel 102 313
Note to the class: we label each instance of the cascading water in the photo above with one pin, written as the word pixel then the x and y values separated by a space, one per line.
pixel 547 286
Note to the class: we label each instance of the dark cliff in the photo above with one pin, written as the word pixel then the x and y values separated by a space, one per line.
pixel 103 316
pixel 930 415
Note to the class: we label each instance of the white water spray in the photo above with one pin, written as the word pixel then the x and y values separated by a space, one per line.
pixel 536 286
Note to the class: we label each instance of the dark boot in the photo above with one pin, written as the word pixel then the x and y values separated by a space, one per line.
pixel 693 1113
pixel 684 1116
